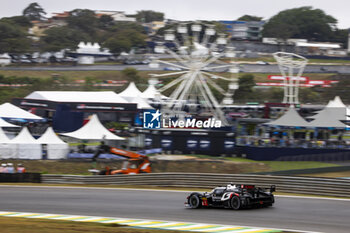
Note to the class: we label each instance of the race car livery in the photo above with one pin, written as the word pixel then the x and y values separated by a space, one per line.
pixel 232 196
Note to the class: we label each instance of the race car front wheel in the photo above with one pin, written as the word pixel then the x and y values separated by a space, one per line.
pixel 235 203
pixel 194 202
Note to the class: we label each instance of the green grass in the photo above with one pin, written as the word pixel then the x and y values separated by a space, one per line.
pixel 11 225
pixel 291 165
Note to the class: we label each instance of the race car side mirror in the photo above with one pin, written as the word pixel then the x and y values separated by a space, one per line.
pixel 272 188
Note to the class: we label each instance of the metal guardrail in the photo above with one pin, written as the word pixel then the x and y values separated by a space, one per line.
pixel 300 185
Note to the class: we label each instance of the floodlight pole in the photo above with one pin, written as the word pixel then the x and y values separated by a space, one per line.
pixel 291 66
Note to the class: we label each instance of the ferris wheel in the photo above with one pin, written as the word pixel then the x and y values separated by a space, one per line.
pixel 197 54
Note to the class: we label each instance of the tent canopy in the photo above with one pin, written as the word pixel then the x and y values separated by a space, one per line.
pixel 3 137
pixel 93 130
pixel 77 96
pixel 133 95
pixel 141 103
pixel 49 137
pixel 152 93
pixel 290 119
pixel 4 123
pixel 131 91
pixel 326 119
pixel 11 111
pixel 335 109
pixel 24 137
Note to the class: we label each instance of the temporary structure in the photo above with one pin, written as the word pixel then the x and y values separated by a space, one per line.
pixel 131 91
pixel 152 93
pixel 6 150
pixel 77 96
pixel 13 112
pixel 290 119
pixel 141 103
pixel 335 109
pixel 327 118
pixel 133 95
pixel 4 123
pixel 27 147
pixel 56 148
pixel 93 130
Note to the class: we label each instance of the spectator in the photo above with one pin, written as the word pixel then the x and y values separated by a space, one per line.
pixel 20 168
pixel 10 168
pixel 3 168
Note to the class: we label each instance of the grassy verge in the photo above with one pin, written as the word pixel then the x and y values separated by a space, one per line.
pixel 194 164
pixel 292 165
pixel 11 225
pixel 331 174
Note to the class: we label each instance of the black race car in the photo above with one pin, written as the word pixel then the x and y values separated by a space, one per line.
pixel 232 196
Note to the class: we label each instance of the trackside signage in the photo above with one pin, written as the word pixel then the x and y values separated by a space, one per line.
pixel 152 120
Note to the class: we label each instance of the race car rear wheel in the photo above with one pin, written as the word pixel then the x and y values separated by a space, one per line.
pixel 194 202
pixel 235 203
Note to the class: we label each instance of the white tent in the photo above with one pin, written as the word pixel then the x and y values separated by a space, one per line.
pixel 27 147
pixel 133 95
pixel 335 109
pixel 4 123
pixel 130 91
pixel 141 103
pixel 152 93
pixel 327 118
pixel 93 130
pixel 336 103
pixel 3 137
pixel 6 150
pixel 11 111
pixel 77 96
pixel 289 119
pixel 56 148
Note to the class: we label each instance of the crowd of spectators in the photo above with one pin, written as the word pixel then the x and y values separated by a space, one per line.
pixel 10 168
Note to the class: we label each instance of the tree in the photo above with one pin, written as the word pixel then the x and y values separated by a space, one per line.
pixel 12 38
pixel 149 16
pixel 84 20
pixel 303 22
pixel 124 36
pixel 131 74
pixel 340 89
pixel 34 12
pixel 58 38
pixel 245 90
pixel 249 18
pixel 117 45
pixel 105 21
pixel 21 21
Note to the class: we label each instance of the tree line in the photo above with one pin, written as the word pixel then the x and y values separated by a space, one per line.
pixel 83 25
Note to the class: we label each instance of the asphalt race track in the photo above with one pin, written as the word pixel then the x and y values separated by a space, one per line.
pixel 288 213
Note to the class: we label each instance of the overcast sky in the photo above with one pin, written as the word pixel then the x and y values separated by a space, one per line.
pixel 188 9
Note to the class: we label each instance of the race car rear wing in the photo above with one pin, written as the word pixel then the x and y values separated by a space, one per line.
pixel 272 188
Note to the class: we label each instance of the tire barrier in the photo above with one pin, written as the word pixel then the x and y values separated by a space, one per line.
pixel 289 184
pixel 20 178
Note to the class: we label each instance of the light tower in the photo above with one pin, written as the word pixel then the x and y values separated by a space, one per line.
pixel 198 50
pixel 291 66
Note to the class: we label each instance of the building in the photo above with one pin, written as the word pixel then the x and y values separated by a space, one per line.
pixel 5 59
pixel 88 52
pixel 244 30
pixel 38 27
pixel 68 109
pixel 153 27
pixel 116 15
